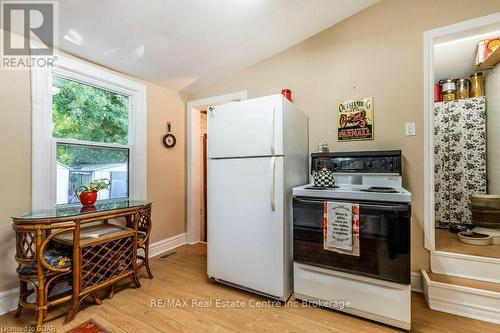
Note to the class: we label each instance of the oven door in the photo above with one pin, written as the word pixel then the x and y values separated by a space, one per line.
pixel 384 239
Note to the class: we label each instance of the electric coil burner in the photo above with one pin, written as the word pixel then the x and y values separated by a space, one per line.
pixel 380 189
pixel 320 188
pixel 381 273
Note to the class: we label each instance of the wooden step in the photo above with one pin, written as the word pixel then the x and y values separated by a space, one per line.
pixel 464 297
pixel 458 281
pixel 447 241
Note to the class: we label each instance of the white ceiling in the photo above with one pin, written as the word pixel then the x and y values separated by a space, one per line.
pixel 188 44
pixel 455 54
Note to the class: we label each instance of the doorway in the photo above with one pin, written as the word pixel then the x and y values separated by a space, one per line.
pixel 450 56
pixel 197 169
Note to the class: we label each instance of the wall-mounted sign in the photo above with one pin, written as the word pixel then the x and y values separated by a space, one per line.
pixel 355 119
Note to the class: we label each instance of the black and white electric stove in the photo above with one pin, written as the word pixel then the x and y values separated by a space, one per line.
pixel 377 281
pixel 371 176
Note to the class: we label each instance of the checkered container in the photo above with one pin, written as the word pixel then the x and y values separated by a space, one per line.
pixel 324 178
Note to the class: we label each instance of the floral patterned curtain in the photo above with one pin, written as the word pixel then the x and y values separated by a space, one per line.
pixel 459 158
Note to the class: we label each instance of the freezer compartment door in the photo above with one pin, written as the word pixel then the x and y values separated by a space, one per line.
pixel 245 237
pixel 248 128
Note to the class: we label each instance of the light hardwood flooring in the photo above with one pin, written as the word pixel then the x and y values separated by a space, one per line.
pixel 183 277
pixel 448 242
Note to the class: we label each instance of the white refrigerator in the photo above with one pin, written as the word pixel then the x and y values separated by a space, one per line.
pixel 257 152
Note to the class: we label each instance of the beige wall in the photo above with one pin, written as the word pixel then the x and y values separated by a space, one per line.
pixel 165 168
pixel 15 164
pixel 377 52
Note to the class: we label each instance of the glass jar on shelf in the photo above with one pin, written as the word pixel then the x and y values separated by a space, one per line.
pixel 449 90
pixel 463 88
pixel 477 86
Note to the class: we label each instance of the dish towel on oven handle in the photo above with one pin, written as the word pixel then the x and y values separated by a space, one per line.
pixel 341 227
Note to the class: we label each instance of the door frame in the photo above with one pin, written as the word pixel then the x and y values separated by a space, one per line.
pixel 429 37
pixel 193 184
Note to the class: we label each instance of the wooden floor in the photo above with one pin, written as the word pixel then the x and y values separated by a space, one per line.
pixel 183 277
pixel 448 242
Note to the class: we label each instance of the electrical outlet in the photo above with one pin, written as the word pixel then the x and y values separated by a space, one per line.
pixel 410 129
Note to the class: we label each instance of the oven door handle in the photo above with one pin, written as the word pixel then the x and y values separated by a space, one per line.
pixel 395 207
pixel 399 208
pixel 308 201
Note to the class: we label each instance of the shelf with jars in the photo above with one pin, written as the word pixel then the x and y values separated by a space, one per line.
pixel 459 88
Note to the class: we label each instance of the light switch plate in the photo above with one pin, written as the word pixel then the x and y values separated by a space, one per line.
pixel 410 129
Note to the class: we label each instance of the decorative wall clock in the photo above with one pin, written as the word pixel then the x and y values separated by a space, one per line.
pixel 168 139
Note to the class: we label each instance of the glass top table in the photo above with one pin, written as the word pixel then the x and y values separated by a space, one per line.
pixel 66 212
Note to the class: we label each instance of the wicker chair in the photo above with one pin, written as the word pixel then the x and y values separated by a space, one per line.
pixel 144 232
pixel 39 274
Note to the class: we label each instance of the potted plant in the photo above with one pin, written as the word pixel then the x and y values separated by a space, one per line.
pixel 88 193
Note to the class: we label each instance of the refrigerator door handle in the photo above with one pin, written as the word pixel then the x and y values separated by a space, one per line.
pixel 272 129
pixel 272 174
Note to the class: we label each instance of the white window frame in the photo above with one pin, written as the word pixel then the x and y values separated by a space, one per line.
pixel 44 165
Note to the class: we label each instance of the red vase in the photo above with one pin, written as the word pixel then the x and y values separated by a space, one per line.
pixel 88 198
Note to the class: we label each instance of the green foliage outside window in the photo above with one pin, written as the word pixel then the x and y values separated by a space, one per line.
pixel 84 112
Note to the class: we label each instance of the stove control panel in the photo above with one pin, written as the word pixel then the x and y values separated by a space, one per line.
pixel 358 162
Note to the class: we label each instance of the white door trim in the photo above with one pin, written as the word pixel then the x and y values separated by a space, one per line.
pixel 193 182
pixel 429 37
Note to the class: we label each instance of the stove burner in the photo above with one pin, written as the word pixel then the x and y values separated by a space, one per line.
pixel 380 189
pixel 320 188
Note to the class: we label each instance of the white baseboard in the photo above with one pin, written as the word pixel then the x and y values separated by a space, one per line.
pixel 416 282
pixel 466 266
pixel 462 301
pixel 9 298
pixel 168 244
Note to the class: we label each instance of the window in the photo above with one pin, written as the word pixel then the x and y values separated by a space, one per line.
pixel 92 124
pixel 89 117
